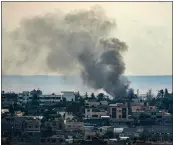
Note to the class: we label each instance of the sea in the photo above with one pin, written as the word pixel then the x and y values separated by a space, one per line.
pixel 55 84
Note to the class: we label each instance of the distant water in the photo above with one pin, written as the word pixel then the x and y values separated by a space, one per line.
pixel 56 84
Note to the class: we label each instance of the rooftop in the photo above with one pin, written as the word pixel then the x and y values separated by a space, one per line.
pixel 117 105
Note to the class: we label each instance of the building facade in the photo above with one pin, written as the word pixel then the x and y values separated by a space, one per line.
pixel 74 126
pixel 118 111
pixel 49 99
pixel 94 113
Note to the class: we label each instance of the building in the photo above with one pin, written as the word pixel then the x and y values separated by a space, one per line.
pixel 56 124
pixel 24 97
pixel 31 124
pixel 92 103
pixel 49 100
pixel 8 99
pixel 118 111
pixel 138 101
pixel 139 108
pixel 74 126
pixel 23 123
pixel 105 103
pixel 94 113
pixel 68 95
pixel 97 122
pixel 90 132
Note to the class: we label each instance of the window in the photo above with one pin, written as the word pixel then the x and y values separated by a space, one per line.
pixel 36 126
pixel 124 111
pixel 114 113
pixel 95 115
pixel 114 109
pixel 119 116
pixel 48 140
pixel 29 126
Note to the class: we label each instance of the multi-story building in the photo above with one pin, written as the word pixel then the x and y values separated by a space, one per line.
pixel 23 123
pixel 49 99
pixel 24 97
pixel 31 124
pixel 118 111
pixel 94 113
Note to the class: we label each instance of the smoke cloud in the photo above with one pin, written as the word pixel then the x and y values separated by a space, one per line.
pixel 78 42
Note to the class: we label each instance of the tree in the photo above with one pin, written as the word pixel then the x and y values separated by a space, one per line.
pixel 131 93
pixel 160 93
pixel 166 92
pixel 143 116
pixel 86 95
pixel 100 97
pixel 170 108
pixel 149 95
pixel 47 132
pixel 11 110
pixel 93 96
pixel 77 96
pixel 35 100
pixel 118 100
pixel 109 134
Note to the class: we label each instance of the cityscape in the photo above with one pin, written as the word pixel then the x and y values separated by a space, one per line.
pixel 31 117
pixel 86 73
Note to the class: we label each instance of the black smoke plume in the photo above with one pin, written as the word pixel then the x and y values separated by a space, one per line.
pixel 67 44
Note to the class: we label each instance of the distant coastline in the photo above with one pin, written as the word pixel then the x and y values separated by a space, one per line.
pixel 53 83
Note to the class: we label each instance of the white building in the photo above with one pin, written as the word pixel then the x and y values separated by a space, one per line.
pixel 49 99
pixel 68 95
pixel 26 97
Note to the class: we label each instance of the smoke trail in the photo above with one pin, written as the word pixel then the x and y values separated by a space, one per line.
pixel 67 44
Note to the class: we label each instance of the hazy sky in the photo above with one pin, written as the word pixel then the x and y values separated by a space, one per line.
pixel 146 27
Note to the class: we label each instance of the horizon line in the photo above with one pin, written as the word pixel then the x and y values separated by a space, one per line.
pixel 29 75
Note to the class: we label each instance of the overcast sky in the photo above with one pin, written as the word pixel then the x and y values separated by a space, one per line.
pixel 146 27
